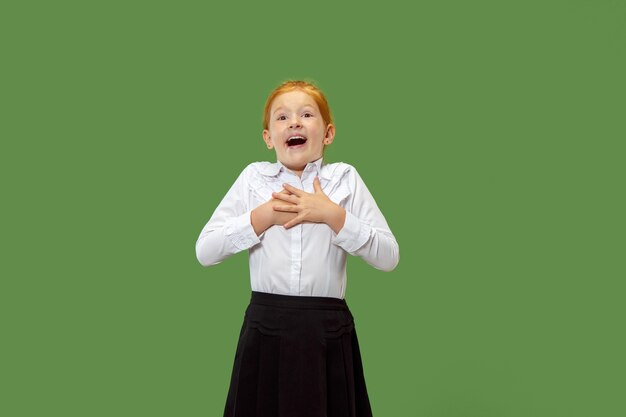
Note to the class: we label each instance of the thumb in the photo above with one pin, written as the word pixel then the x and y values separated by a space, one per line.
pixel 316 185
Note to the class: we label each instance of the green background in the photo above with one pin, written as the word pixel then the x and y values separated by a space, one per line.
pixel 490 133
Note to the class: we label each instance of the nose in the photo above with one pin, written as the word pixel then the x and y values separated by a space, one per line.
pixel 295 122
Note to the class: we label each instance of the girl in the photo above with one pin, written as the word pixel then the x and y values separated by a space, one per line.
pixel 298 353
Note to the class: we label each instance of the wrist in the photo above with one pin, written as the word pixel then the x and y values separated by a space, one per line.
pixel 259 220
pixel 336 218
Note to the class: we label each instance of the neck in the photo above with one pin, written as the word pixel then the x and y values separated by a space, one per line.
pixel 299 170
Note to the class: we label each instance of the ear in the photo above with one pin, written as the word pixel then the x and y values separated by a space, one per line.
pixel 330 134
pixel 267 139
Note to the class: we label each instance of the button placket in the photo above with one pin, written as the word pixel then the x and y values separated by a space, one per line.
pixel 296 251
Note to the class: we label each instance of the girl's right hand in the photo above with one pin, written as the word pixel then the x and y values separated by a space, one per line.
pixel 277 217
pixel 264 216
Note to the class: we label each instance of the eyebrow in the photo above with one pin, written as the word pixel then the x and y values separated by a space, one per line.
pixel 306 105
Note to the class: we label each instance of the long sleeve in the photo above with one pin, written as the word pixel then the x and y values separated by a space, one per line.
pixel 365 232
pixel 229 229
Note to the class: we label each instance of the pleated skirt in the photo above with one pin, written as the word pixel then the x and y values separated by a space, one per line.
pixel 297 356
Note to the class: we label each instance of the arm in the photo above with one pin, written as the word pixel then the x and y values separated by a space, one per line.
pixel 229 230
pixel 365 232
pixel 234 227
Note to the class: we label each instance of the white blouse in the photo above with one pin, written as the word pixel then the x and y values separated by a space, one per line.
pixel 309 259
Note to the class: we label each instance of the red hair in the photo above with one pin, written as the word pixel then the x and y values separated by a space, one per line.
pixel 305 87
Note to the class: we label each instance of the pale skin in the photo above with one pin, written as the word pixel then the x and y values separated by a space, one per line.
pixel 293 206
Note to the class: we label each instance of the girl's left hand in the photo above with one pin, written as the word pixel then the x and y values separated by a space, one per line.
pixel 314 208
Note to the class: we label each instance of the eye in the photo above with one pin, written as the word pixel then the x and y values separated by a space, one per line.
pixel 281 117
pixel 308 115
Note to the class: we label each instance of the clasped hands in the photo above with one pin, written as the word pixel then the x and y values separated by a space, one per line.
pixel 293 206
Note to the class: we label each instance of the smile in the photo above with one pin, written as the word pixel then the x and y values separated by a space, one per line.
pixel 296 142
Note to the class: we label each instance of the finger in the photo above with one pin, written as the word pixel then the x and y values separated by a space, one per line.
pixel 316 185
pixel 285 197
pixel 292 209
pixel 293 222
pixel 293 190
pixel 284 192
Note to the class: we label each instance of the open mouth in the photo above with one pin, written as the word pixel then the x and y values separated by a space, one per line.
pixel 296 141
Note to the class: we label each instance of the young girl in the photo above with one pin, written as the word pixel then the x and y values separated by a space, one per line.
pixel 298 353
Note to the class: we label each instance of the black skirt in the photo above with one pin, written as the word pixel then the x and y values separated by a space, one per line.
pixel 297 356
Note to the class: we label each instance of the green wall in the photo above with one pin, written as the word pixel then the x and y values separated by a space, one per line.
pixel 488 132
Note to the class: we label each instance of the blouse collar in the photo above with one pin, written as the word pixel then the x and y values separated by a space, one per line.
pixel 271 170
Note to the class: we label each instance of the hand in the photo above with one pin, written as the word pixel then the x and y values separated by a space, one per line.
pixel 313 208
pixel 264 216
pixel 279 217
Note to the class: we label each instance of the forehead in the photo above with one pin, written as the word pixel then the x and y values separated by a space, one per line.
pixel 293 99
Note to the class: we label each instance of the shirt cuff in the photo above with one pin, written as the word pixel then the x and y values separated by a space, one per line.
pixel 240 232
pixel 353 234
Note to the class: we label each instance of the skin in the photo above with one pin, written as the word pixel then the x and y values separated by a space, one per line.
pixel 313 208
pixel 292 113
